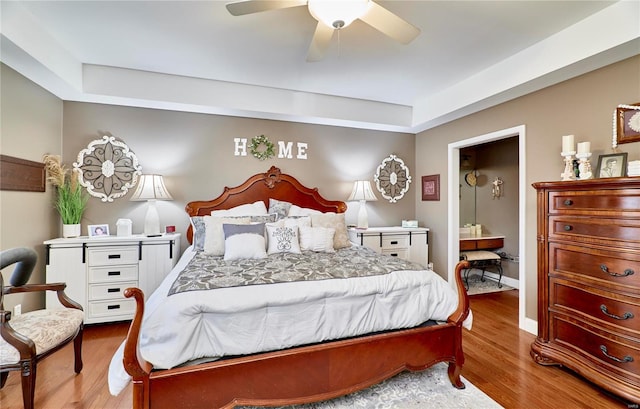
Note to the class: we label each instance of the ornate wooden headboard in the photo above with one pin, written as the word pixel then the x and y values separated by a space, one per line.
pixel 263 186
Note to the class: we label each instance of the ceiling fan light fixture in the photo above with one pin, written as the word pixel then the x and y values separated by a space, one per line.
pixel 337 13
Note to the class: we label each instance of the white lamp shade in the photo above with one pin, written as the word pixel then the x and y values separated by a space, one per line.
pixel 362 191
pixel 151 187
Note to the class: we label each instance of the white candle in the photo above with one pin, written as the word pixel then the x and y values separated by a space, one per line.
pixel 584 147
pixel 568 144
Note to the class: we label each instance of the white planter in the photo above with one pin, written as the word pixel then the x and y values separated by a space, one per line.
pixel 71 230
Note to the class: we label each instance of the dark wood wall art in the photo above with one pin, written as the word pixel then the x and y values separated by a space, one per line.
pixel 21 174
pixel 627 123
pixel 431 187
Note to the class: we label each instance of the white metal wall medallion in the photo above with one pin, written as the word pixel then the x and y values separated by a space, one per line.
pixel 392 178
pixel 107 168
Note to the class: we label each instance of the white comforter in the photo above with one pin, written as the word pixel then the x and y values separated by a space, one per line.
pixel 219 322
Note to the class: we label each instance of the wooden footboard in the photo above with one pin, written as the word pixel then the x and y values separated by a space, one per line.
pixel 297 375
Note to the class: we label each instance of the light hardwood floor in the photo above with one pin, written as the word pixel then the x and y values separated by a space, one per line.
pixel 497 362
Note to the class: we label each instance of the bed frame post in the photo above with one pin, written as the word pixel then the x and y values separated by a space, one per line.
pixel 458 316
pixel 134 364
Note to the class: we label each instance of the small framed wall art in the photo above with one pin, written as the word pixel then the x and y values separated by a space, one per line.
pixel 431 187
pixel 627 123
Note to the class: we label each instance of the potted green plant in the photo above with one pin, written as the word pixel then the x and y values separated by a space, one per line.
pixel 71 200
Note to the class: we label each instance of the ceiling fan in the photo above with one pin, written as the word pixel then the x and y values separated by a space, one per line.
pixel 334 15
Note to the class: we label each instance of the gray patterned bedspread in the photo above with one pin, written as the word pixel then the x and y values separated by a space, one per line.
pixel 205 272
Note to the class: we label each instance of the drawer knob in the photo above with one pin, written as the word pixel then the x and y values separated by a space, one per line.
pixel 624 359
pixel 568 227
pixel 568 202
pixel 625 316
pixel 626 272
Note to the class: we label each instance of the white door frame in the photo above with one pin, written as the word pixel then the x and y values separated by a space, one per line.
pixel 454 206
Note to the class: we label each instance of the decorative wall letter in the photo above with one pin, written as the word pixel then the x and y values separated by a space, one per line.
pixel 241 146
pixel 302 150
pixel 284 150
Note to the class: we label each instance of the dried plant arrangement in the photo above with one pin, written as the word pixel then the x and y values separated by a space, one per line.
pixel 71 200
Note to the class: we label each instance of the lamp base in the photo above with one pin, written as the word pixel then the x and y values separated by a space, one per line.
pixel 363 219
pixel 152 220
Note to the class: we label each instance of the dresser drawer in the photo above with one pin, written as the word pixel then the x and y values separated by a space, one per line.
pixel 613 269
pixel 395 242
pixel 109 291
pixel 620 202
pixel 118 309
pixel 113 274
pixel 113 256
pixel 614 352
pixel 595 230
pixel 401 253
pixel 602 306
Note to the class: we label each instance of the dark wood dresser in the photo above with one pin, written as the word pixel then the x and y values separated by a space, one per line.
pixel 589 281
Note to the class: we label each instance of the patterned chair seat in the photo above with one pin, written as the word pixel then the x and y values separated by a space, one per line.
pixel 46 328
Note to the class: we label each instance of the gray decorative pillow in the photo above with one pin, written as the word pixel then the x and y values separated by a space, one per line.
pixel 269 218
pixel 279 207
pixel 199 232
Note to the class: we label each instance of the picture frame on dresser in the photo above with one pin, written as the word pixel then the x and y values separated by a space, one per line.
pixel 612 166
pixel 431 187
pixel 98 230
pixel 627 123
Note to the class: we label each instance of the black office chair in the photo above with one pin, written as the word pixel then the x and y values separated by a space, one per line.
pixel 31 336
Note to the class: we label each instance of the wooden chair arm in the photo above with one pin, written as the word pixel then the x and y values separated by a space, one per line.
pixel 57 287
pixel 24 345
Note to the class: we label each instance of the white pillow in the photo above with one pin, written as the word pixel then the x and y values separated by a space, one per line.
pixel 336 221
pixel 244 241
pixel 282 239
pixel 252 209
pixel 318 239
pixel 295 210
pixel 214 234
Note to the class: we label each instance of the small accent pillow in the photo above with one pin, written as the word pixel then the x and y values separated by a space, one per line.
pixel 279 207
pixel 214 236
pixel 336 221
pixel 302 211
pixel 282 239
pixel 318 239
pixel 244 241
pixel 199 232
pixel 252 209
pixel 269 218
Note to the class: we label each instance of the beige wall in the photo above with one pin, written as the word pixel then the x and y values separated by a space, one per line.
pixel 31 121
pixel 582 106
pixel 195 153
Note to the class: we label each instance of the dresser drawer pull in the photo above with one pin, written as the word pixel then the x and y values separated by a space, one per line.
pixel 568 202
pixel 113 307
pixel 625 316
pixel 112 256
pixel 394 242
pixel 626 272
pixel 393 254
pixel 626 358
pixel 117 290
pixel 113 273
pixel 568 227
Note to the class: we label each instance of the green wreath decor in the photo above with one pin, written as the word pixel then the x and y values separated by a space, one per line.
pixel 261 148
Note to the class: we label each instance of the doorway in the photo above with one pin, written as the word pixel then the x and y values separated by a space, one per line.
pixel 453 193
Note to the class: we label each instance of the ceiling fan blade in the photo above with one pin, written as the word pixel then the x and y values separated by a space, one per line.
pixel 390 24
pixel 320 42
pixel 256 6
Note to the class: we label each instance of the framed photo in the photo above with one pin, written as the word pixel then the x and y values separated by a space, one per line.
pixel 628 123
pixel 98 230
pixel 612 166
pixel 431 187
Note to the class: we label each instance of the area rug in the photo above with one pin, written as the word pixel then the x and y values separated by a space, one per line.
pixel 476 286
pixel 410 390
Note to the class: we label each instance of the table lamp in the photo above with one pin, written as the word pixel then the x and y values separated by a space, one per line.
pixel 363 193
pixel 151 188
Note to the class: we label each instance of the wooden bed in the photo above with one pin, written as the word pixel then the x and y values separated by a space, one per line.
pixel 297 375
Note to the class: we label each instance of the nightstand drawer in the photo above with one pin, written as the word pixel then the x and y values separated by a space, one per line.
pixel 122 308
pixel 113 274
pixel 109 291
pixel 113 256
pixel 395 242
pixel 401 253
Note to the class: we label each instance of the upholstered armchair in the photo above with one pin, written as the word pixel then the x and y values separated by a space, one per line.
pixel 31 336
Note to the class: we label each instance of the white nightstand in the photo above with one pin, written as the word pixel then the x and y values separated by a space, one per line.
pixel 409 243
pixel 98 269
